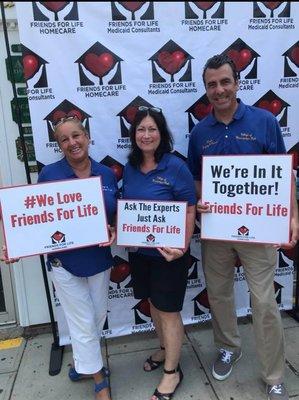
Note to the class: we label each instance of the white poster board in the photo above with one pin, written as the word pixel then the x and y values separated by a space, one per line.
pixel 54 216
pixel 249 198
pixel 144 223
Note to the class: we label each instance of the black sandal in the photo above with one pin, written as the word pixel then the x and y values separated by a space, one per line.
pixel 153 363
pixel 168 396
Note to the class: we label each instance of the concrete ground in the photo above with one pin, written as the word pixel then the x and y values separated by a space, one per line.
pixel 24 369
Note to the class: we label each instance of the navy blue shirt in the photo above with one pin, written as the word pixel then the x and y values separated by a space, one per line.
pixel 170 180
pixel 252 131
pixel 90 260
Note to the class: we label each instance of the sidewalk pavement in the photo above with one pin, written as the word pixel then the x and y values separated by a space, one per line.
pixel 24 369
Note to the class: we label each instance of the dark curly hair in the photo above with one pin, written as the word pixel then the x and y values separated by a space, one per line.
pixel 216 62
pixel 166 144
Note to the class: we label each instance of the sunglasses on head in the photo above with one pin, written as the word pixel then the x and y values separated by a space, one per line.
pixel 63 120
pixel 154 109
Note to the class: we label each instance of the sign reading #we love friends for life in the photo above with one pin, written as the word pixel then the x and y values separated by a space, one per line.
pixel 151 223
pixel 53 216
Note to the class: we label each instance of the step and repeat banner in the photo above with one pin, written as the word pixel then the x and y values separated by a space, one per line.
pixel 101 60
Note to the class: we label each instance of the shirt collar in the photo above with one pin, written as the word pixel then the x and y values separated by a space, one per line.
pixel 211 120
pixel 69 172
pixel 163 162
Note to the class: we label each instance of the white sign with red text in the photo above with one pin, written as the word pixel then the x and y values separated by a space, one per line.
pixel 53 216
pixel 144 223
pixel 249 198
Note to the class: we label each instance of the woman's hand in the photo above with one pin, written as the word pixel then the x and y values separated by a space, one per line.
pixel 4 257
pixel 112 236
pixel 170 253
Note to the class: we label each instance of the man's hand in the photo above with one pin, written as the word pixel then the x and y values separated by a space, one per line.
pixel 294 236
pixel 202 208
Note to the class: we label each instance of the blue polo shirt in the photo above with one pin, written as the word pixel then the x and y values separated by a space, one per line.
pixel 252 131
pixel 171 180
pixel 91 260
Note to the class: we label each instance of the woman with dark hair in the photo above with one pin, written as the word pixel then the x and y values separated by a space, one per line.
pixel 160 275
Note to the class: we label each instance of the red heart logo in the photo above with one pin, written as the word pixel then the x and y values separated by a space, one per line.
pixel 99 65
pixel 274 107
pixel 144 307
pixel 290 253
pixel 58 236
pixel 295 55
pixel 74 113
pixel 132 5
pixel 120 273
pixel 271 5
pixel 204 5
pixel 55 6
pixel 118 171
pixel 201 110
pixel 58 115
pixel 203 298
pixel 30 64
pixel 241 58
pixel 171 62
pixel 131 113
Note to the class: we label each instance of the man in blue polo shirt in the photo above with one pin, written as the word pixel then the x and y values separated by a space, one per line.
pixel 235 128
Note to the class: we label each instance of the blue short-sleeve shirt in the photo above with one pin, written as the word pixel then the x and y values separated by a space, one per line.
pixel 252 131
pixel 171 180
pixel 90 260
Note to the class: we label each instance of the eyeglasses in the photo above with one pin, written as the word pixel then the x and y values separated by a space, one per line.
pixel 63 120
pixel 154 109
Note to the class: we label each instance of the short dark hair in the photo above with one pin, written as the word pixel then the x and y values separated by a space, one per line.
pixel 216 62
pixel 166 144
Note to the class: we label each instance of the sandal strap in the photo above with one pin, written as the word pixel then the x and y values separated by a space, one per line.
pixel 162 396
pixel 74 375
pixel 172 371
pixel 100 386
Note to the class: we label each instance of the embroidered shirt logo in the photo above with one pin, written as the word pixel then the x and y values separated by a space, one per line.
pixel 161 181
pixel 246 136
pixel 106 189
pixel 209 143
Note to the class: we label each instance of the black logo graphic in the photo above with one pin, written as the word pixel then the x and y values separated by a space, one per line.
pixel 198 9
pixel 169 61
pixel 66 10
pixel 291 56
pixel 127 114
pixel 106 324
pixel 98 62
pixel 192 266
pixel 199 110
pixel 142 311
pixel 201 303
pixel 276 105
pixel 58 237
pixel 150 238
pixel 262 9
pixel 243 56
pixel 64 110
pixel 34 66
pixel 124 10
pixel 238 265
pixel 116 166
pixel 243 231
